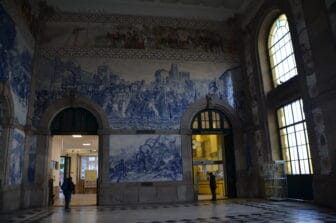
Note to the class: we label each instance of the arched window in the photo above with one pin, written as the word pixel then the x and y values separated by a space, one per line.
pixel 210 120
pixel 281 54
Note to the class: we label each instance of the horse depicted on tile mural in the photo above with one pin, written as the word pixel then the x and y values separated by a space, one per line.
pixel 145 158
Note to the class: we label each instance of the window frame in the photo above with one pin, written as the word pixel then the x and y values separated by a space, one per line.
pixel 224 123
pixel 269 56
pixel 284 149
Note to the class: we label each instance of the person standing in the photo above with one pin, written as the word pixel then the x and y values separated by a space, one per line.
pixel 213 186
pixel 68 188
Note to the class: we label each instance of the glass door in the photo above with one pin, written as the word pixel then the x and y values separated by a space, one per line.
pixel 208 158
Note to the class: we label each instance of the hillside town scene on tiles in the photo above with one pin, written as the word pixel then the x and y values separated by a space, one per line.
pixel 153 103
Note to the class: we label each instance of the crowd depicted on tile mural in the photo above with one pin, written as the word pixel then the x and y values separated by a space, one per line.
pixel 157 103
pixel 15 64
pixel 157 158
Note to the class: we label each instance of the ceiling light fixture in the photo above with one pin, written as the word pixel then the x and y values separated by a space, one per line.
pixel 77 136
pixel 86 144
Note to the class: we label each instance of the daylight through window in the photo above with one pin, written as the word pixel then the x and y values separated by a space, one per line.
pixel 281 52
pixel 294 138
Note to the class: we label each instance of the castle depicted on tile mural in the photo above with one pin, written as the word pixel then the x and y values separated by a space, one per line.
pixel 157 102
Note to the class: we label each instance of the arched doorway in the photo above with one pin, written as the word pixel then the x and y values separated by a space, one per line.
pixel 74 152
pixel 212 151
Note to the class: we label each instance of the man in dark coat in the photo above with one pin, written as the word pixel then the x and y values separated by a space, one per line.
pixel 68 188
pixel 213 186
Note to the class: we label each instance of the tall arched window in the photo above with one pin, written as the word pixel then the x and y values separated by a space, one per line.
pixel 292 130
pixel 281 54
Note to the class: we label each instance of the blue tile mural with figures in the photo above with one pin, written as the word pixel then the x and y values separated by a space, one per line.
pixel 145 158
pixel 31 158
pixel 135 94
pixel 15 157
pixel 15 64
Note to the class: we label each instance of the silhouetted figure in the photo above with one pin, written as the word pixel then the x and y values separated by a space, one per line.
pixel 213 186
pixel 68 188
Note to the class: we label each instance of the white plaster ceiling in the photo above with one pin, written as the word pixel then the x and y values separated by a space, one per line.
pixel 217 10
pixel 73 145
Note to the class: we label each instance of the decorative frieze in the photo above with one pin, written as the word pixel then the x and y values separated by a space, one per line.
pixel 175 55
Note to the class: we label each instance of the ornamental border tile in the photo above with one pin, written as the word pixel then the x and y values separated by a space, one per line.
pixel 176 55
pixel 134 20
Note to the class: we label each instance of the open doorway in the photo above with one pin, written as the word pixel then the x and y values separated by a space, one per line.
pixel 75 156
pixel 212 152
pixel 208 158
pixel 74 152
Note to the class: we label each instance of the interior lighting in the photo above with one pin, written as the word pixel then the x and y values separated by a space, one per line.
pixel 77 136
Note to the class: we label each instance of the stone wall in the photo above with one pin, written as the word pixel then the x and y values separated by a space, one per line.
pixel 314 48
pixel 142 74
pixel 17 49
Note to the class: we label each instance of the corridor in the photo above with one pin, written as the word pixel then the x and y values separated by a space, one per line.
pixel 233 210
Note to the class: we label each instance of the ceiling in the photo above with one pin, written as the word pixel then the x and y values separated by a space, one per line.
pixel 73 145
pixel 217 10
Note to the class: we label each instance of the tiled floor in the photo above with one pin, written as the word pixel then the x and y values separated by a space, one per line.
pixel 234 210
pixel 77 200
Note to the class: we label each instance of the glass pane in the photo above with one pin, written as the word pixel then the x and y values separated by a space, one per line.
pixel 195 124
pixel 281 52
pixel 288 115
pixel 207 147
pixel 214 124
pixel 293 138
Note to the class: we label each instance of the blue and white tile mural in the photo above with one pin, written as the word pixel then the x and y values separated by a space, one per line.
pixel 145 158
pixel 15 157
pixel 31 159
pixel 135 94
pixel 15 64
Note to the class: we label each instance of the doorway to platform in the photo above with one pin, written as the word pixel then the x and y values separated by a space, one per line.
pixel 77 156
pixel 212 152
pixel 74 153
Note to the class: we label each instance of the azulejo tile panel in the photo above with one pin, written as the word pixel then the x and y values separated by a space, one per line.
pixel 15 155
pixel 135 94
pixel 15 64
pixel 145 158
